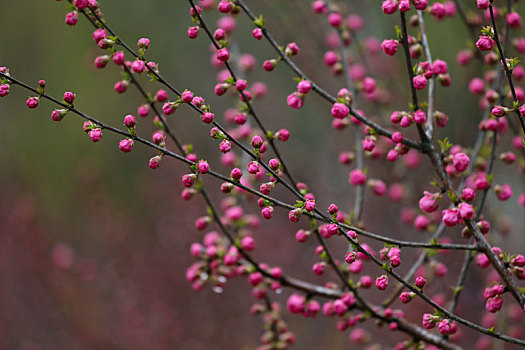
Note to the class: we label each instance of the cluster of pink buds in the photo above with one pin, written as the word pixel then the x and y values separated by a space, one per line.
pixel 296 99
pixel 391 253
pixel 493 298
pixel 445 326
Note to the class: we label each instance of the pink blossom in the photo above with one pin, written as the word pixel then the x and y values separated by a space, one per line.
pixel 428 321
pixel 389 47
pixel 450 217
pixel 154 162
pixel 503 192
pixel 294 215
pixel 95 135
pixel 248 243
pixel 465 210
pixel 429 202
pixel 335 19
pixel 484 43
pixel 405 297
pixel 420 282
pixel 421 222
pixel 461 162
pixel 126 145
pixel 357 177
pixel 4 90
pixel 483 4
pixel 138 66
pixel 494 304
pixel 203 167
pixel 477 86
pixel 32 102
pixel 225 6
pixel 339 110
pixel 420 4
pixel 468 194
pixel 72 18
pixel 193 32
pixel 514 19
pixel 295 303
pixel 389 7
pixel 381 282
pixel 420 82
pixel 257 33
pixel 295 100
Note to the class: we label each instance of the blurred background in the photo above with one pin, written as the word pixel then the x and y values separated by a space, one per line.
pixel 94 245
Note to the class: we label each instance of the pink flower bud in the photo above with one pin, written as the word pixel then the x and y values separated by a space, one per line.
pixel 389 47
pixel 225 6
pixel 58 114
pixel 357 177
pixel 309 205
pixel 421 222
pixel 405 297
pixel 429 202
pixel 32 102
pixel 465 210
pixel 81 4
pixel 450 217
pixel 428 321
pixel 389 7
pixel 468 194
pixel 207 117
pixel 248 243
pixel 461 162
pixel 295 303
pixel 335 19
pixel 420 82
pixel 130 121
pixel 514 19
pixel 121 86
pixel 340 110
pixel 484 43
pixel 304 87
pixel 381 282
pixel 154 162
pixel 291 49
pixel 223 55
pixel 483 4
pixel 503 192
pixel 72 18
pixel 494 304
pixel 193 32
pixel 138 66
pixel 294 215
pixel 420 282
pixel 295 100
pixel 257 33
pixel 283 135
pixel 126 145
pixel 253 167
pixel 95 135
pixel 203 167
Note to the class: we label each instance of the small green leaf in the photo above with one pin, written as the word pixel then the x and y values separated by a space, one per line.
pixel 438 313
pixel 457 290
pixel 490 178
pixel 259 22
pixel 399 33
